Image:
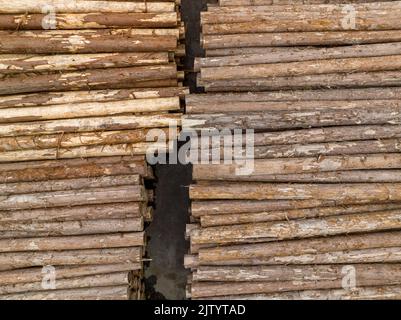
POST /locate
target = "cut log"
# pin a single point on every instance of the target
(122, 210)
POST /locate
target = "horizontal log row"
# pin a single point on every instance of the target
(306, 206)
(88, 89)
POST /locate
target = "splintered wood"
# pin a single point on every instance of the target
(319, 216)
(81, 85)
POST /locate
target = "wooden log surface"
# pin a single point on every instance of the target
(98, 293)
(11, 261)
(32, 275)
(122, 210)
(117, 240)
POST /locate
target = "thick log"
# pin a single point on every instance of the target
(73, 197)
(70, 21)
(229, 3)
(69, 184)
(299, 39)
(11, 64)
(70, 140)
(90, 124)
(102, 280)
(297, 54)
(113, 78)
(14, 260)
(274, 250)
(301, 165)
(260, 71)
(55, 98)
(69, 228)
(21, 6)
(116, 240)
(287, 215)
(123, 210)
(333, 80)
(32, 275)
(99, 293)
(305, 228)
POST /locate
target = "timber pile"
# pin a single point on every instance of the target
(80, 88)
(323, 201)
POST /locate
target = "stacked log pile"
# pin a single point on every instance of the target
(81, 84)
(318, 217)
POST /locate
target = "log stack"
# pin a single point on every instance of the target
(81, 85)
(318, 217)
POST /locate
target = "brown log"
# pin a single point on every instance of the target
(364, 293)
(70, 140)
(229, 3)
(302, 165)
(274, 250)
(113, 78)
(12, 64)
(305, 228)
(334, 80)
(102, 280)
(273, 120)
(90, 124)
(95, 20)
(69, 228)
(10, 261)
(122, 210)
(287, 215)
(69, 184)
(68, 111)
(74, 170)
(299, 39)
(373, 192)
(260, 71)
(20, 6)
(204, 289)
(116, 240)
(55, 98)
(63, 272)
(73, 197)
(99, 293)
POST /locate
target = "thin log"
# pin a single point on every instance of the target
(342, 243)
(324, 226)
(73, 197)
(122, 210)
(11, 261)
(70, 21)
(302, 165)
(99, 293)
(21, 6)
(287, 215)
(70, 228)
(32, 275)
(46, 42)
(90, 124)
(55, 98)
(103, 280)
(12, 64)
(116, 240)
(113, 78)
(260, 71)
